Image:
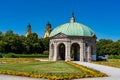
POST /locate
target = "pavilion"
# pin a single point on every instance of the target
(72, 41)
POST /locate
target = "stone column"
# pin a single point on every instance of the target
(50, 52)
(82, 51)
(55, 52)
(89, 54)
(67, 51)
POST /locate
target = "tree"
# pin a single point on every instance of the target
(46, 44)
(103, 46)
(32, 43)
(13, 43)
(117, 47)
(9, 33)
(1, 35)
(42, 47)
(2, 46)
(23, 44)
(2, 43)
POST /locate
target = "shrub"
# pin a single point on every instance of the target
(13, 55)
(10, 55)
(0, 55)
(46, 52)
(33, 56)
(114, 56)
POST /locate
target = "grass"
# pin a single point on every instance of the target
(114, 56)
(13, 55)
(40, 67)
(30, 65)
(51, 70)
(110, 62)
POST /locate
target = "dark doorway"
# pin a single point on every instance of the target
(61, 55)
(75, 52)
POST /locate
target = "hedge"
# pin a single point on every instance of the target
(13, 55)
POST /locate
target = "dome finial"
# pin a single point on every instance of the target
(72, 20)
(48, 22)
(73, 14)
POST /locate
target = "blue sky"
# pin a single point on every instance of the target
(103, 16)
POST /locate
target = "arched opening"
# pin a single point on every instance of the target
(86, 53)
(61, 51)
(75, 52)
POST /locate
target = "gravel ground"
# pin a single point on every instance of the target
(10, 77)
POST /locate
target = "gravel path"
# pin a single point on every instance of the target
(10, 77)
(113, 73)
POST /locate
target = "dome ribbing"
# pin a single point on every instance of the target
(73, 29)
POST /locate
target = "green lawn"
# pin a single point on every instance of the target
(40, 67)
(110, 62)
(32, 67)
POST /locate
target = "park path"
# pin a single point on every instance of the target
(11, 77)
(112, 72)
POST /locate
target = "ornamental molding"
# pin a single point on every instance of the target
(60, 35)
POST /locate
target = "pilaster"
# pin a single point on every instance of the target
(55, 52)
(82, 52)
(50, 52)
(89, 54)
(67, 51)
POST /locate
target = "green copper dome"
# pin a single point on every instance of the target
(73, 29)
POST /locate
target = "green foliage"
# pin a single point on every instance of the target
(103, 46)
(1, 35)
(114, 56)
(46, 43)
(1, 56)
(10, 55)
(107, 46)
(13, 55)
(10, 42)
(46, 52)
(33, 56)
(2, 46)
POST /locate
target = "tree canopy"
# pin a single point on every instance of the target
(107, 46)
(11, 42)
(14, 43)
